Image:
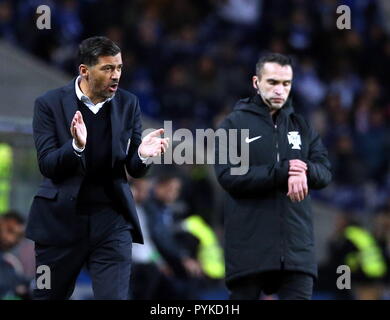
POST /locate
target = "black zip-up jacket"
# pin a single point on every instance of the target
(264, 229)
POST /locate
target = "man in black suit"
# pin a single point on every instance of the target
(86, 135)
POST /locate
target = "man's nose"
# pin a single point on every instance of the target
(278, 90)
(116, 75)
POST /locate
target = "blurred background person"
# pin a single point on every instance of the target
(381, 232)
(13, 284)
(150, 273)
(163, 230)
(360, 249)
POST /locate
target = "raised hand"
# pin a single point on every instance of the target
(153, 145)
(78, 130)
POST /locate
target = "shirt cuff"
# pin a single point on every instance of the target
(77, 149)
(144, 160)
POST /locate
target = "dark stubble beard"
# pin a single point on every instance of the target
(102, 94)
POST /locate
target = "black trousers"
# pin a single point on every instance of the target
(289, 285)
(105, 250)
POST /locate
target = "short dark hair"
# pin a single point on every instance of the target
(165, 177)
(13, 215)
(92, 48)
(278, 58)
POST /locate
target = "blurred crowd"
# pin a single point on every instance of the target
(189, 61)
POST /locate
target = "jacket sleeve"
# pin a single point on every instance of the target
(134, 165)
(257, 178)
(55, 161)
(319, 168)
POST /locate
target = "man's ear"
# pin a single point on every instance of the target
(255, 82)
(83, 70)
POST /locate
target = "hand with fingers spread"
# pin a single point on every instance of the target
(153, 145)
(297, 181)
(78, 130)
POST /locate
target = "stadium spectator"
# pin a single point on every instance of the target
(150, 273)
(164, 229)
(355, 246)
(13, 283)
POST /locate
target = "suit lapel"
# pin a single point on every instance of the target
(69, 107)
(69, 102)
(115, 127)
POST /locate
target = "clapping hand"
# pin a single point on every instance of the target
(78, 130)
(153, 145)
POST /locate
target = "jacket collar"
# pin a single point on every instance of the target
(255, 104)
(86, 100)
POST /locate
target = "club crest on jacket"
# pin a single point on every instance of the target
(295, 139)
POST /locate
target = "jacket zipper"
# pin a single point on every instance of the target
(277, 144)
(281, 218)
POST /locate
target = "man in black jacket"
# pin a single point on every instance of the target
(86, 135)
(269, 243)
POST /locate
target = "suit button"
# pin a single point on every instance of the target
(72, 198)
